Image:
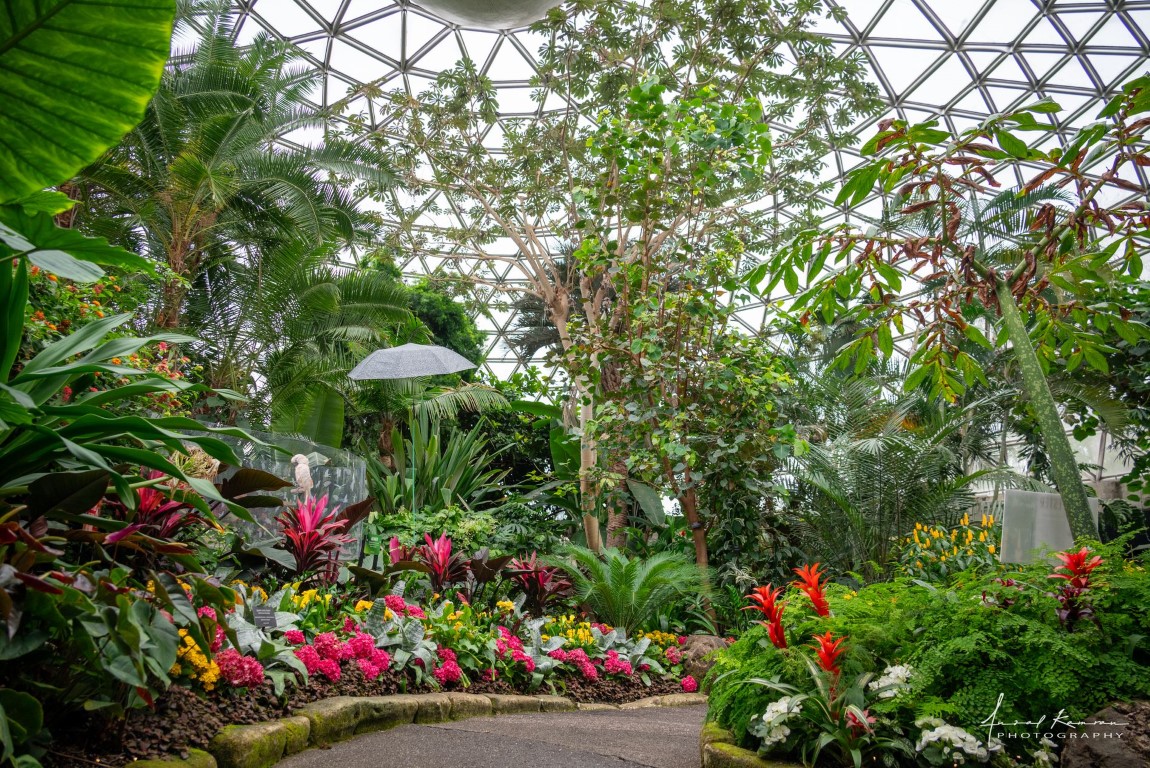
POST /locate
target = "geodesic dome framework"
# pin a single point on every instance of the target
(954, 61)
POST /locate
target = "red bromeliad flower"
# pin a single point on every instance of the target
(396, 552)
(766, 601)
(1077, 567)
(829, 651)
(812, 582)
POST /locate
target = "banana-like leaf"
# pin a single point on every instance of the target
(78, 75)
(73, 492)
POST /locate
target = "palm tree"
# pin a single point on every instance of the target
(208, 175)
(629, 592)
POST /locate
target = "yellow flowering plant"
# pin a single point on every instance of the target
(932, 553)
(575, 633)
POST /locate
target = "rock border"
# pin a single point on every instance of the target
(320, 723)
(717, 749)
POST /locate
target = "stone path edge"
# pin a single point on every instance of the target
(320, 723)
(717, 749)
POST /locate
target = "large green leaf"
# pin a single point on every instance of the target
(78, 75)
(65, 252)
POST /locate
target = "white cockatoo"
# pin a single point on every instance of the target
(302, 475)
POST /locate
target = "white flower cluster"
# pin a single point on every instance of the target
(773, 730)
(892, 681)
(1044, 756)
(952, 743)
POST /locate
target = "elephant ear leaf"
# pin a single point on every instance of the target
(78, 75)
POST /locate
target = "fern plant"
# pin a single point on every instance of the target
(629, 593)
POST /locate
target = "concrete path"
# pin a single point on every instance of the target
(657, 737)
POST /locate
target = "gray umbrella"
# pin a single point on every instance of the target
(409, 361)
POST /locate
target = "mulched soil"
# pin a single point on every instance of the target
(184, 719)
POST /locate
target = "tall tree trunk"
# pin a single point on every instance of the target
(588, 493)
(1063, 466)
(689, 501)
(617, 509)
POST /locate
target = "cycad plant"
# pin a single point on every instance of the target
(629, 592)
(880, 462)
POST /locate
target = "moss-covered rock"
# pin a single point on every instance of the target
(556, 704)
(332, 719)
(253, 746)
(378, 713)
(197, 758)
(298, 734)
(433, 708)
(682, 699)
(465, 705)
(511, 705)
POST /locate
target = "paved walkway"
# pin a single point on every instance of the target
(657, 737)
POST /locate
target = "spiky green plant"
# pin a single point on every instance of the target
(629, 592)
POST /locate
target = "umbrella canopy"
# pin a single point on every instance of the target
(410, 361)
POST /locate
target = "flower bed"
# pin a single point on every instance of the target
(250, 674)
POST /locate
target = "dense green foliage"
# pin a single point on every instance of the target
(968, 641)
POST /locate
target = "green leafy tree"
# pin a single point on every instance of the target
(1044, 256)
(596, 54)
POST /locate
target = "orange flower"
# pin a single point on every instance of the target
(829, 651)
(812, 583)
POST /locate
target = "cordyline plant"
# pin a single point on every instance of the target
(1043, 258)
(539, 583)
(314, 537)
(446, 567)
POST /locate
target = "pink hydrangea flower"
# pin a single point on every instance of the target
(218, 640)
(370, 670)
(616, 665)
(349, 626)
(329, 668)
(310, 658)
(239, 670)
(673, 655)
(295, 637)
(690, 685)
(362, 645)
(682, 639)
(446, 654)
(381, 659)
(448, 672)
(490, 674)
(558, 654)
(329, 647)
(395, 604)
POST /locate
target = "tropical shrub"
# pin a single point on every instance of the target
(539, 584)
(931, 552)
(313, 536)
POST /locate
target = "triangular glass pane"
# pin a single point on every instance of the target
(1079, 24)
(356, 64)
(1004, 21)
(384, 35)
(419, 32)
(903, 21)
(479, 45)
(444, 55)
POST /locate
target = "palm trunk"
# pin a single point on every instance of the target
(1063, 466)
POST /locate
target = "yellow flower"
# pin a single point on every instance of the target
(364, 605)
(990, 549)
(506, 606)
